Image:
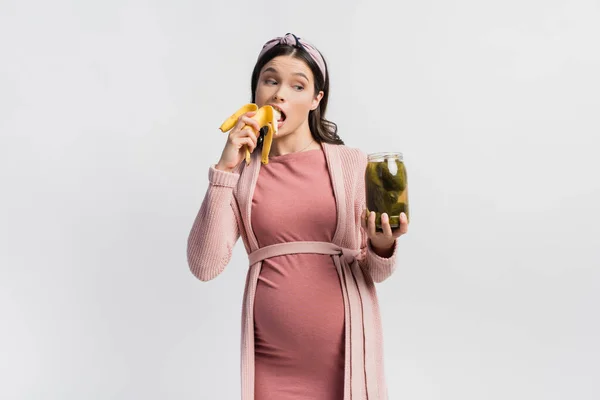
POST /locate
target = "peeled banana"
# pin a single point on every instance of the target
(266, 116)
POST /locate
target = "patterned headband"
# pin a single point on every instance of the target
(293, 40)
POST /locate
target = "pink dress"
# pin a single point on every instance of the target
(299, 308)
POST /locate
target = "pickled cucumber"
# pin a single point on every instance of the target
(380, 199)
(391, 181)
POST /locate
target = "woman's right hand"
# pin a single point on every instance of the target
(240, 136)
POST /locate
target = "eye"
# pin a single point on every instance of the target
(270, 81)
(299, 87)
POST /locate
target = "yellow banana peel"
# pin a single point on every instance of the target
(265, 116)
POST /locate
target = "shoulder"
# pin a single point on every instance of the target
(349, 156)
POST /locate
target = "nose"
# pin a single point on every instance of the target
(278, 95)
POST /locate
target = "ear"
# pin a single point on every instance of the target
(316, 101)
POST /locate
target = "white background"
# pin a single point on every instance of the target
(108, 121)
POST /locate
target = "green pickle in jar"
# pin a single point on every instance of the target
(386, 187)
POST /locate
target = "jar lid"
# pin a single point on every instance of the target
(379, 157)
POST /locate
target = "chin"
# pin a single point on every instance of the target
(281, 134)
(287, 128)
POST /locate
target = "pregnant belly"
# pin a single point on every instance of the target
(299, 313)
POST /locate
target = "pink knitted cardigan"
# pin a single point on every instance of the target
(224, 216)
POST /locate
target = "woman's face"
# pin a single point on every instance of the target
(287, 83)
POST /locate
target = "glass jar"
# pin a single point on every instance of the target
(386, 187)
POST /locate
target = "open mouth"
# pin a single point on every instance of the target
(279, 115)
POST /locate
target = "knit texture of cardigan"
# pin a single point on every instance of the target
(224, 217)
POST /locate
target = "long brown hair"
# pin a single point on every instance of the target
(321, 129)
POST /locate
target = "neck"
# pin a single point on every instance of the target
(300, 140)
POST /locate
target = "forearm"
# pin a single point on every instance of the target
(215, 230)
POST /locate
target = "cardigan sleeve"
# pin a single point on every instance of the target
(380, 268)
(215, 229)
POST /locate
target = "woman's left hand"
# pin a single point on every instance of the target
(383, 242)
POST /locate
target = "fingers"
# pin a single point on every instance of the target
(368, 224)
(246, 119)
(371, 224)
(385, 225)
(251, 122)
(244, 137)
(403, 224)
(248, 140)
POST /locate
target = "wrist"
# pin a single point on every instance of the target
(221, 167)
(383, 251)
